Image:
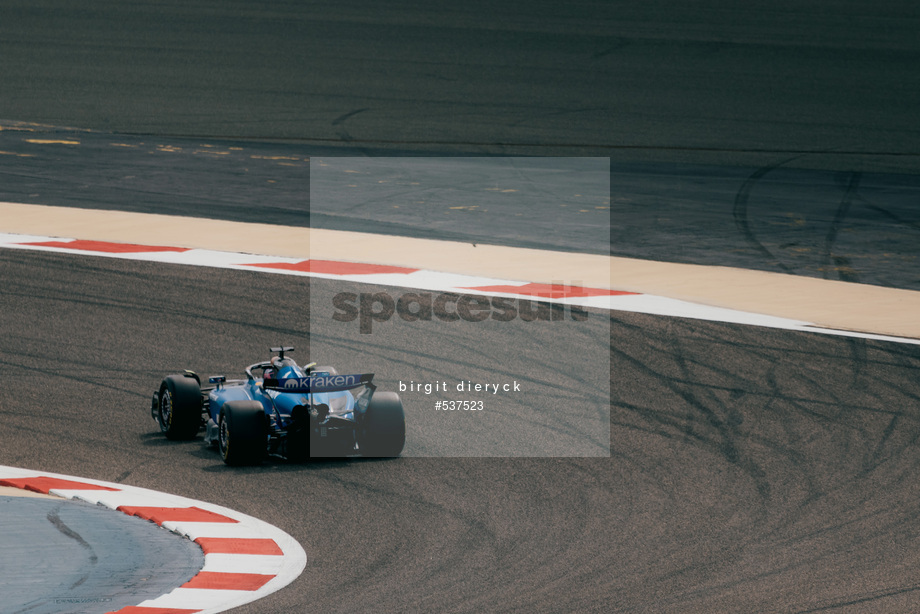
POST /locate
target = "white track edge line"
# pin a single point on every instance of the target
(452, 282)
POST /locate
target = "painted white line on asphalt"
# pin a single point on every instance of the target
(437, 281)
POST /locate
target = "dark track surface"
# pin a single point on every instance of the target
(751, 470)
(751, 86)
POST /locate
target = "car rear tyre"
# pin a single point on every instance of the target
(383, 431)
(242, 433)
(178, 407)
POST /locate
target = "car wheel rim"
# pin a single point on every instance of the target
(165, 409)
(224, 439)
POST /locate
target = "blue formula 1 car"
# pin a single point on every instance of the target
(284, 410)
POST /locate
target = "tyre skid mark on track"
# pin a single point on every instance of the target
(245, 558)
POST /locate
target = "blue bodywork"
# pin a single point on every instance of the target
(293, 398)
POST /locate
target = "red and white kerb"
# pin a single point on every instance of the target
(244, 558)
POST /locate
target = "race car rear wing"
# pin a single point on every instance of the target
(320, 383)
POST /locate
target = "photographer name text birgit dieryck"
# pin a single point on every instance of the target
(461, 386)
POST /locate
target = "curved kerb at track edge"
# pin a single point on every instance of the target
(245, 558)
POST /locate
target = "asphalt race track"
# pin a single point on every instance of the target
(749, 470)
(742, 459)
